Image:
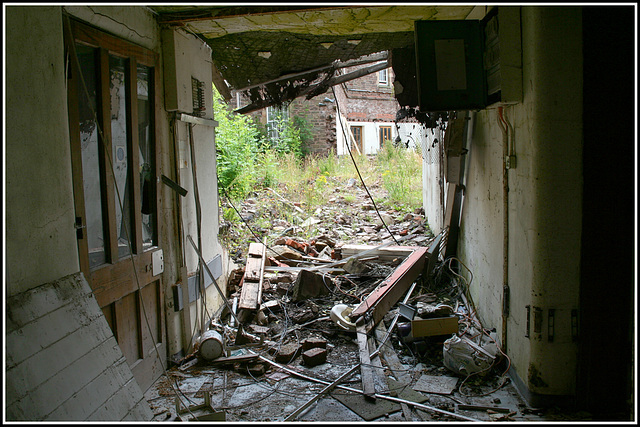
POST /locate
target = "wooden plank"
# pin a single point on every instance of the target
(434, 326)
(76, 150)
(105, 150)
(380, 301)
(252, 284)
(97, 38)
(133, 148)
(249, 295)
(452, 220)
(252, 269)
(255, 249)
(366, 373)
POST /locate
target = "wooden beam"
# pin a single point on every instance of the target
(381, 56)
(332, 82)
(366, 373)
(380, 301)
(218, 81)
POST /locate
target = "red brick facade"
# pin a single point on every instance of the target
(360, 100)
(366, 100)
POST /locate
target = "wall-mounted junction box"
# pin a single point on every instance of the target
(469, 64)
(187, 74)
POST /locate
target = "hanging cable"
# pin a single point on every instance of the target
(243, 220)
(356, 166)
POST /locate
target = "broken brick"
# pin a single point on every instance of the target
(257, 370)
(288, 353)
(314, 356)
(313, 342)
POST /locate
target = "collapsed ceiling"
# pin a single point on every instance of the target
(254, 47)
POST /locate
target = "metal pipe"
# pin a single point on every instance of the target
(206, 267)
(355, 390)
(327, 389)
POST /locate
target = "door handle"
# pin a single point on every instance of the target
(78, 226)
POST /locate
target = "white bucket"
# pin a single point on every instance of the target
(211, 346)
(339, 315)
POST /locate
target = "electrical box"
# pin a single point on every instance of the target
(449, 65)
(469, 64)
(187, 74)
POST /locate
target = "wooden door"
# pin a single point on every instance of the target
(356, 132)
(112, 102)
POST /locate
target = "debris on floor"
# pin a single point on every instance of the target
(327, 331)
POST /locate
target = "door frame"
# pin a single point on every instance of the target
(115, 282)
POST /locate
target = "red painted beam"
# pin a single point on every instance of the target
(380, 301)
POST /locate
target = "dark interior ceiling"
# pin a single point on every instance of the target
(254, 45)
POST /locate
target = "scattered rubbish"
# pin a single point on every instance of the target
(439, 384)
(211, 345)
(319, 303)
(340, 315)
(464, 357)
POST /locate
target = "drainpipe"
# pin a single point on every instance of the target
(505, 242)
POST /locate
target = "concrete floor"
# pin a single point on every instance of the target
(274, 396)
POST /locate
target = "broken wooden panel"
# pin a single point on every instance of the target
(434, 326)
(388, 253)
(380, 301)
(252, 285)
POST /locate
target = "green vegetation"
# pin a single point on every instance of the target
(248, 160)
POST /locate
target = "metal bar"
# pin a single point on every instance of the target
(327, 389)
(196, 120)
(206, 267)
(355, 390)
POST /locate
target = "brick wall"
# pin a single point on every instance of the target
(366, 100)
(320, 115)
(62, 360)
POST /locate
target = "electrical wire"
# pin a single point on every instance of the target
(357, 170)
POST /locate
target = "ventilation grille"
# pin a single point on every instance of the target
(197, 88)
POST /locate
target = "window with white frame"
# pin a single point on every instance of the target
(383, 77)
(276, 118)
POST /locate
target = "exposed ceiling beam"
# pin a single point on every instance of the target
(320, 87)
(381, 56)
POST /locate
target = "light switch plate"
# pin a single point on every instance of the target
(157, 262)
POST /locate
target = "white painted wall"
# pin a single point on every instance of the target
(63, 362)
(192, 57)
(544, 203)
(40, 235)
(371, 135)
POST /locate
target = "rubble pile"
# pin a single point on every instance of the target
(347, 217)
(330, 318)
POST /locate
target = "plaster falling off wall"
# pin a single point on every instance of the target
(63, 362)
